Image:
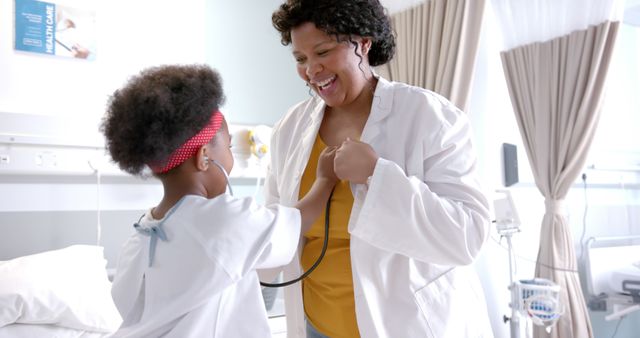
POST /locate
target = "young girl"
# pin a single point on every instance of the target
(189, 268)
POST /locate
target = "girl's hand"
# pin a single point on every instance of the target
(325, 165)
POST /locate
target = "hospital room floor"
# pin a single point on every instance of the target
(277, 320)
(278, 327)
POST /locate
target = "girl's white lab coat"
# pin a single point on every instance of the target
(203, 282)
(414, 229)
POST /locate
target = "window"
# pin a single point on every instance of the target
(617, 144)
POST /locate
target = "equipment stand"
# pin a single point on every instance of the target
(514, 321)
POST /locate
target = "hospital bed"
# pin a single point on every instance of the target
(613, 275)
(58, 293)
(57, 192)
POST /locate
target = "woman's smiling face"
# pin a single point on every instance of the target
(331, 68)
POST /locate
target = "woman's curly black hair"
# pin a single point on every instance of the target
(157, 111)
(365, 18)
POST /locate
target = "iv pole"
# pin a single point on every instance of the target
(514, 321)
(508, 223)
(538, 296)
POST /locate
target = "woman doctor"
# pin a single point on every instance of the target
(408, 216)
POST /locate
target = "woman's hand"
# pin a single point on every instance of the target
(354, 161)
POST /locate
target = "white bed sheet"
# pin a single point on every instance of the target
(67, 288)
(45, 330)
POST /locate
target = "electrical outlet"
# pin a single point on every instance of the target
(46, 159)
(5, 159)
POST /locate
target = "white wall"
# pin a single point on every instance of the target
(131, 35)
(259, 74)
(74, 92)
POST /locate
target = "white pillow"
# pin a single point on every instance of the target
(67, 287)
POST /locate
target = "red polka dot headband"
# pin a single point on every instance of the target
(191, 146)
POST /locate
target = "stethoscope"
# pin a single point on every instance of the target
(324, 244)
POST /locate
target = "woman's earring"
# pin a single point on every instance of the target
(310, 91)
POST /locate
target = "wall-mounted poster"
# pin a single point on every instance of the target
(48, 28)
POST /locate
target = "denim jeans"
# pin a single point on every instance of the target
(312, 332)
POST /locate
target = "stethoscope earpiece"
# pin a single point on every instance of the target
(226, 176)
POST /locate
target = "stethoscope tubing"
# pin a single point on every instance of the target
(324, 244)
(317, 262)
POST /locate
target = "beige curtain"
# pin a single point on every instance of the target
(437, 43)
(556, 88)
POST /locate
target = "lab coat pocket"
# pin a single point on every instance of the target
(451, 307)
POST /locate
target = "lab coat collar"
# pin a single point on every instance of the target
(380, 108)
(316, 120)
(318, 111)
(305, 145)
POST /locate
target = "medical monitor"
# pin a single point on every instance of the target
(506, 215)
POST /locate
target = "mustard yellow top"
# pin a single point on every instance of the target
(328, 290)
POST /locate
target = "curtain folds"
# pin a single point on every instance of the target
(437, 43)
(556, 90)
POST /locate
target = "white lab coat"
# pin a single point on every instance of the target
(203, 282)
(416, 227)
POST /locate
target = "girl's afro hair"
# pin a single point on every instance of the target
(157, 111)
